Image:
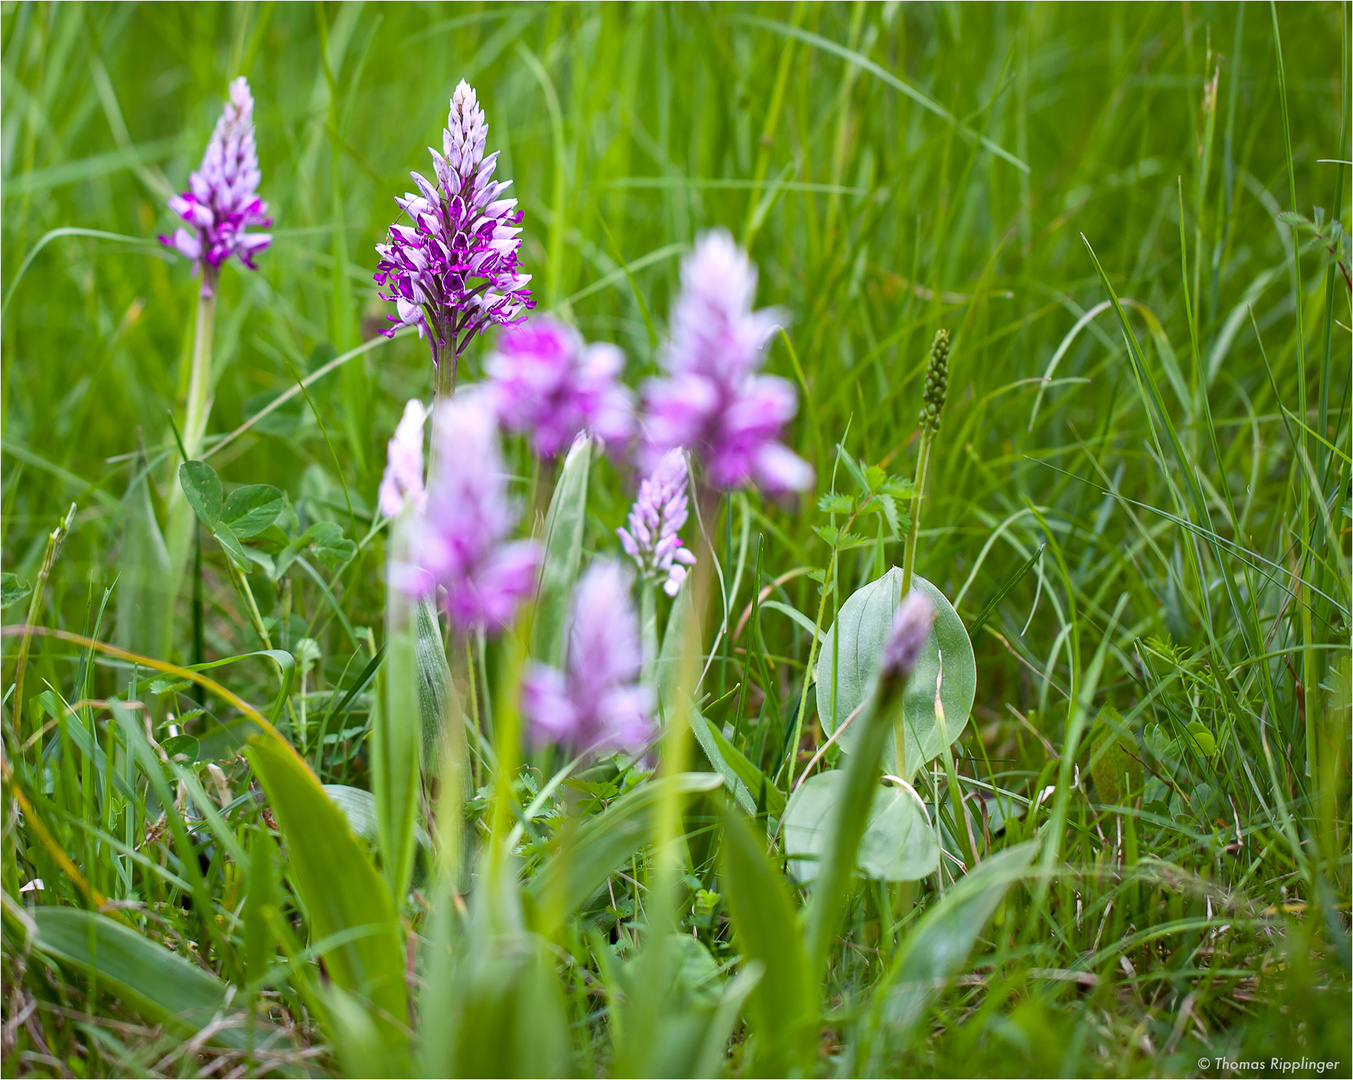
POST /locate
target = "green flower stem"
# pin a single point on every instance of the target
(199, 379)
(908, 568)
(55, 539)
(180, 523)
(917, 495)
(648, 631)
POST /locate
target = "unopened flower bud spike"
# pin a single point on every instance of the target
(932, 404)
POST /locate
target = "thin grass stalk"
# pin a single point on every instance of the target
(55, 539)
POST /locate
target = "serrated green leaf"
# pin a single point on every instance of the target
(888, 506)
(833, 503)
(875, 476)
(853, 467)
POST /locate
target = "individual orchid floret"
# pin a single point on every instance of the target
(550, 384)
(460, 542)
(597, 703)
(451, 267)
(911, 626)
(403, 480)
(655, 520)
(222, 201)
(712, 399)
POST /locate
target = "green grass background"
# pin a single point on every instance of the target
(1194, 510)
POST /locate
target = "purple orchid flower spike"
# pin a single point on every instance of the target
(459, 543)
(652, 539)
(597, 703)
(451, 270)
(403, 480)
(550, 384)
(222, 201)
(712, 399)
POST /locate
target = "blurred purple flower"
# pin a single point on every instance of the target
(459, 542)
(911, 626)
(547, 381)
(655, 519)
(598, 703)
(403, 478)
(712, 399)
(222, 197)
(453, 270)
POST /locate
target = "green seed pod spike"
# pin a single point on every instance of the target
(936, 383)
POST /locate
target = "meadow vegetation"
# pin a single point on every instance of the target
(1063, 297)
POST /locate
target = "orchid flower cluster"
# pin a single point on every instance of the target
(450, 273)
(452, 269)
(222, 201)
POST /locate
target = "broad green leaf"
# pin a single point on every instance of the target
(783, 1006)
(340, 890)
(202, 488)
(603, 844)
(937, 948)
(159, 984)
(898, 843)
(143, 574)
(1204, 742)
(864, 622)
(563, 554)
(1115, 761)
(251, 509)
(359, 807)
